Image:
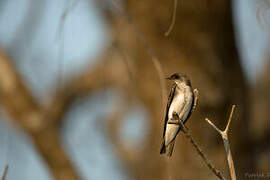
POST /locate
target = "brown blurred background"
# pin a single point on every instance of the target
(81, 95)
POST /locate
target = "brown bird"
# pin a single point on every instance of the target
(180, 105)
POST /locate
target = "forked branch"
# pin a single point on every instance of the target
(196, 97)
(200, 152)
(224, 135)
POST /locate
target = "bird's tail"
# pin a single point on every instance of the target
(171, 146)
(163, 147)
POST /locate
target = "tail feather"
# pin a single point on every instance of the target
(171, 147)
(163, 147)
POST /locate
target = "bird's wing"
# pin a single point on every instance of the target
(168, 106)
(185, 108)
(190, 111)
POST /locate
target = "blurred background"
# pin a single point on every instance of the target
(81, 96)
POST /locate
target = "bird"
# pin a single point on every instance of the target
(180, 105)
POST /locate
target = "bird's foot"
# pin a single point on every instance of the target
(175, 120)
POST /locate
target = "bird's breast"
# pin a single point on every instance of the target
(177, 104)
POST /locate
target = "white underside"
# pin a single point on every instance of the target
(182, 107)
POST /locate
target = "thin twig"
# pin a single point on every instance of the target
(224, 135)
(5, 173)
(161, 79)
(200, 152)
(213, 125)
(196, 97)
(64, 17)
(167, 33)
(148, 49)
(230, 119)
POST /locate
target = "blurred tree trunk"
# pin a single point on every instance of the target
(202, 44)
(260, 124)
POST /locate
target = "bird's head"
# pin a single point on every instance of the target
(180, 78)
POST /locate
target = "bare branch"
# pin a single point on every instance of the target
(5, 173)
(230, 119)
(196, 97)
(213, 125)
(167, 33)
(199, 151)
(224, 135)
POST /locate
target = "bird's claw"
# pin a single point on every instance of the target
(175, 120)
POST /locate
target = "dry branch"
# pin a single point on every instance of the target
(196, 97)
(193, 142)
(224, 135)
(199, 151)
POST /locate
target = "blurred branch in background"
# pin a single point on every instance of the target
(167, 33)
(262, 7)
(5, 173)
(110, 71)
(148, 49)
(42, 123)
(63, 18)
(17, 101)
(116, 120)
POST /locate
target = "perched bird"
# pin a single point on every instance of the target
(180, 104)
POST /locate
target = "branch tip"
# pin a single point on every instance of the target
(230, 119)
(213, 125)
(167, 33)
(224, 135)
(199, 151)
